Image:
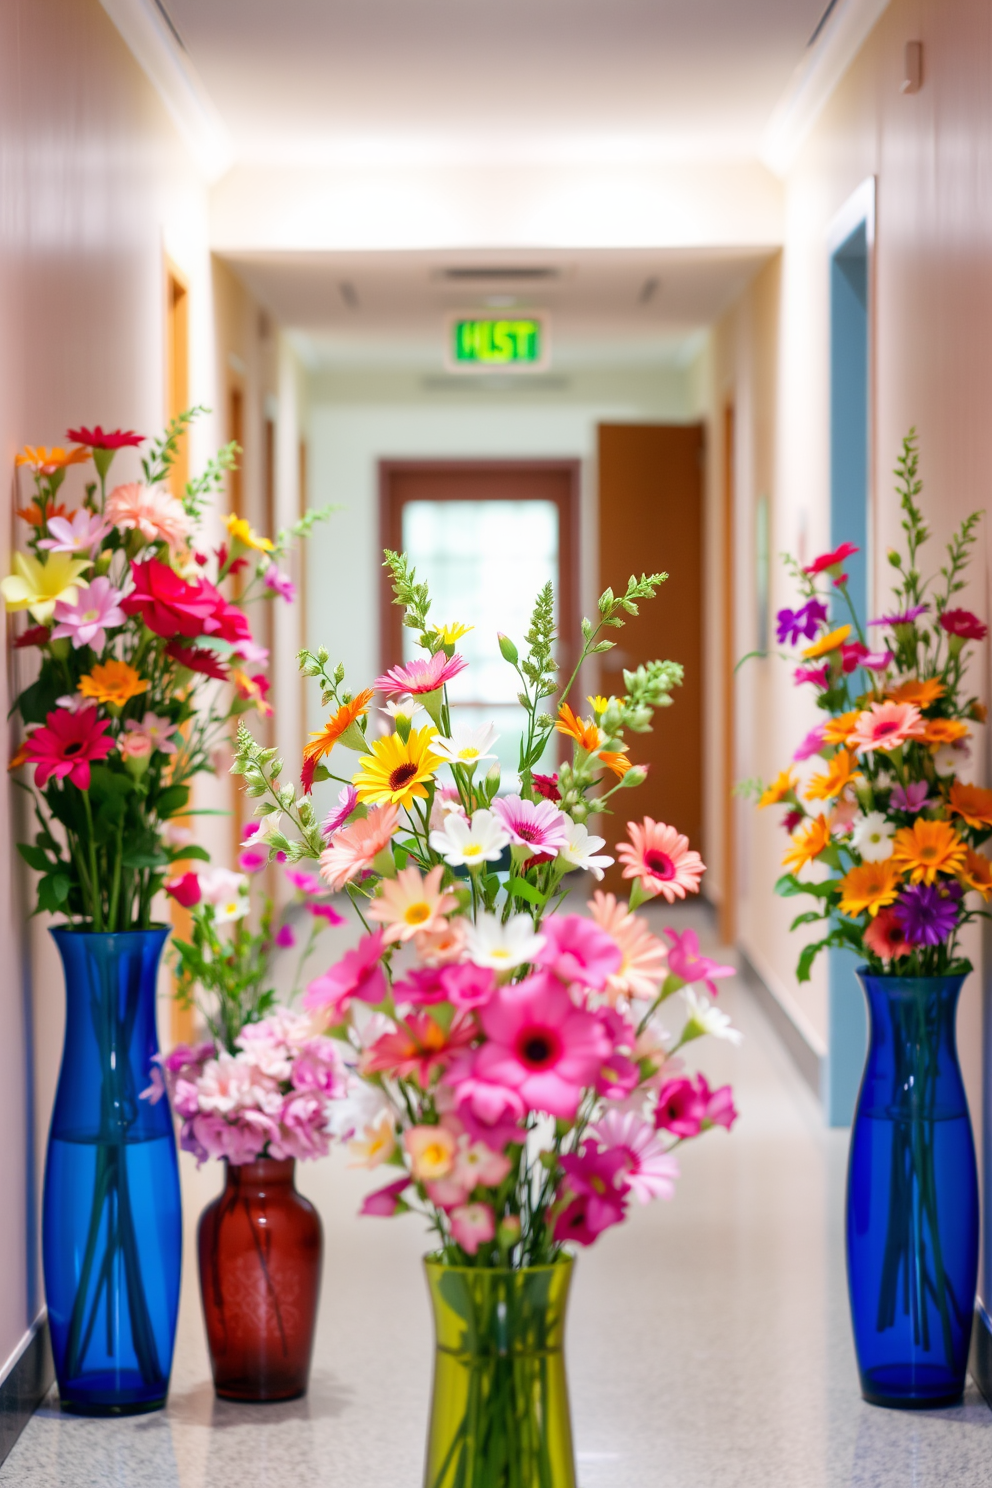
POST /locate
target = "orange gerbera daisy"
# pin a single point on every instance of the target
(808, 844)
(973, 803)
(618, 763)
(783, 786)
(977, 873)
(112, 682)
(324, 740)
(838, 730)
(944, 731)
(839, 775)
(46, 461)
(869, 887)
(585, 733)
(922, 693)
(926, 849)
(832, 641)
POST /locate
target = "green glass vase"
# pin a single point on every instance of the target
(499, 1412)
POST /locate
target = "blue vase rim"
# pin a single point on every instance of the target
(896, 978)
(69, 932)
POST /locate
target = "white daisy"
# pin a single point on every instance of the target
(467, 746)
(406, 708)
(872, 835)
(705, 1017)
(258, 832)
(480, 840)
(582, 846)
(502, 946)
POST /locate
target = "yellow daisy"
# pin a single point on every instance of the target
(112, 682)
(869, 887)
(448, 635)
(832, 641)
(240, 530)
(784, 786)
(839, 775)
(926, 849)
(395, 771)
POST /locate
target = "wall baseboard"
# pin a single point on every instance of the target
(807, 1060)
(980, 1362)
(25, 1385)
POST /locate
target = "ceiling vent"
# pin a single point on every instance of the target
(497, 273)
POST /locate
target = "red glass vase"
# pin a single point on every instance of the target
(260, 1249)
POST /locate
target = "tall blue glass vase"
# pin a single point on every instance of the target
(912, 1198)
(111, 1223)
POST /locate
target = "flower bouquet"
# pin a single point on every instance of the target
(132, 639)
(259, 1095)
(512, 1064)
(884, 812)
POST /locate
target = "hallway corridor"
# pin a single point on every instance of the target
(709, 1339)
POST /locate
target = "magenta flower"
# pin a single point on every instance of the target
(468, 986)
(347, 801)
(358, 974)
(419, 676)
(304, 882)
(960, 623)
(253, 859)
(817, 675)
(284, 937)
(537, 825)
(910, 798)
(680, 1109)
(489, 1112)
(906, 618)
(599, 1185)
(422, 987)
(619, 1074)
(576, 950)
(385, 1202)
(791, 624)
(831, 562)
(541, 1045)
(718, 1105)
(684, 961)
(812, 744)
(546, 786)
(86, 622)
(325, 912)
(280, 583)
(66, 745)
(650, 1171)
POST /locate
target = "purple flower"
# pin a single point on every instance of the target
(285, 938)
(347, 801)
(910, 798)
(812, 744)
(791, 624)
(905, 619)
(280, 583)
(926, 915)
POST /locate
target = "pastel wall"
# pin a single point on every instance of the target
(932, 367)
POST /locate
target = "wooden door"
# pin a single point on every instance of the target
(650, 520)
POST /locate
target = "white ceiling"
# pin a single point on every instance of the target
(358, 80)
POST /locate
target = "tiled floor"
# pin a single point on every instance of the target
(709, 1343)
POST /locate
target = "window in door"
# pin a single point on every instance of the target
(485, 539)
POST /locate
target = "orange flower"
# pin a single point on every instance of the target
(977, 873)
(19, 756)
(944, 731)
(832, 641)
(250, 690)
(586, 735)
(323, 741)
(922, 693)
(808, 844)
(618, 763)
(972, 803)
(869, 887)
(45, 461)
(112, 682)
(926, 849)
(32, 514)
(838, 730)
(779, 789)
(839, 775)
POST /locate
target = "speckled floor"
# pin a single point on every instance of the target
(709, 1344)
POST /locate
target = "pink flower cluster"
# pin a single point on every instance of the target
(271, 1098)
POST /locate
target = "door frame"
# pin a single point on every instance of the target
(569, 536)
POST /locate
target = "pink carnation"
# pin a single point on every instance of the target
(576, 950)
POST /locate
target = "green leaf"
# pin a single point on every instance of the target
(806, 919)
(789, 885)
(807, 957)
(171, 801)
(135, 858)
(35, 857)
(194, 850)
(53, 891)
(520, 888)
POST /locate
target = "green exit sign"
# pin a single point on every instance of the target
(498, 343)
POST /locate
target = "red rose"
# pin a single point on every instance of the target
(166, 603)
(964, 624)
(185, 890)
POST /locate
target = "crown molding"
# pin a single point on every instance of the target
(167, 65)
(815, 79)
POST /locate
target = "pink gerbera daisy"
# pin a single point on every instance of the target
(649, 1170)
(354, 848)
(886, 726)
(150, 510)
(419, 676)
(539, 826)
(577, 951)
(66, 745)
(541, 1045)
(410, 903)
(358, 974)
(661, 858)
(643, 956)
